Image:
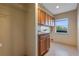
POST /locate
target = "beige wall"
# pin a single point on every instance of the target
(17, 29)
(30, 30)
(12, 30)
(71, 37)
(5, 31)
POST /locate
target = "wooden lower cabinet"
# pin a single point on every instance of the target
(44, 44)
(48, 42)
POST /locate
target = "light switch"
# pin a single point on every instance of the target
(0, 44)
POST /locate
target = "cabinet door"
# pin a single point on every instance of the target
(42, 14)
(47, 19)
(38, 16)
(44, 18)
(41, 17)
(42, 45)
(52, 21)
(48, 42)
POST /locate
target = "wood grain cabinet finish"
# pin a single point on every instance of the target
(44, 18)
(39, 16)
(44, 39)
(44, 44)
(48, 20)
(48, 42)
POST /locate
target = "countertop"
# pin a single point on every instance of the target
(39, 33)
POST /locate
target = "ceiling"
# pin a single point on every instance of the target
(63, 7)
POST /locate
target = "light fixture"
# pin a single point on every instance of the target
(57, 7)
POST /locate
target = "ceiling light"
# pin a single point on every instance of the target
(57, 6)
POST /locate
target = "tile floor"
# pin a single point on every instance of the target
(58, 49)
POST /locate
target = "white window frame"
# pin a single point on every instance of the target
(62, 19)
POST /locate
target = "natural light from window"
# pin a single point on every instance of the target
(61, 25)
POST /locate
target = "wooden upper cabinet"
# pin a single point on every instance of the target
(48, 20)
(44, 18)
(51, 21)
(39, 16)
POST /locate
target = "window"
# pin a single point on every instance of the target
(61, 25)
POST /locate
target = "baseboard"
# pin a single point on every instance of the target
(65, 43)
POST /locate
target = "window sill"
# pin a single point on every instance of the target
(62, 33)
